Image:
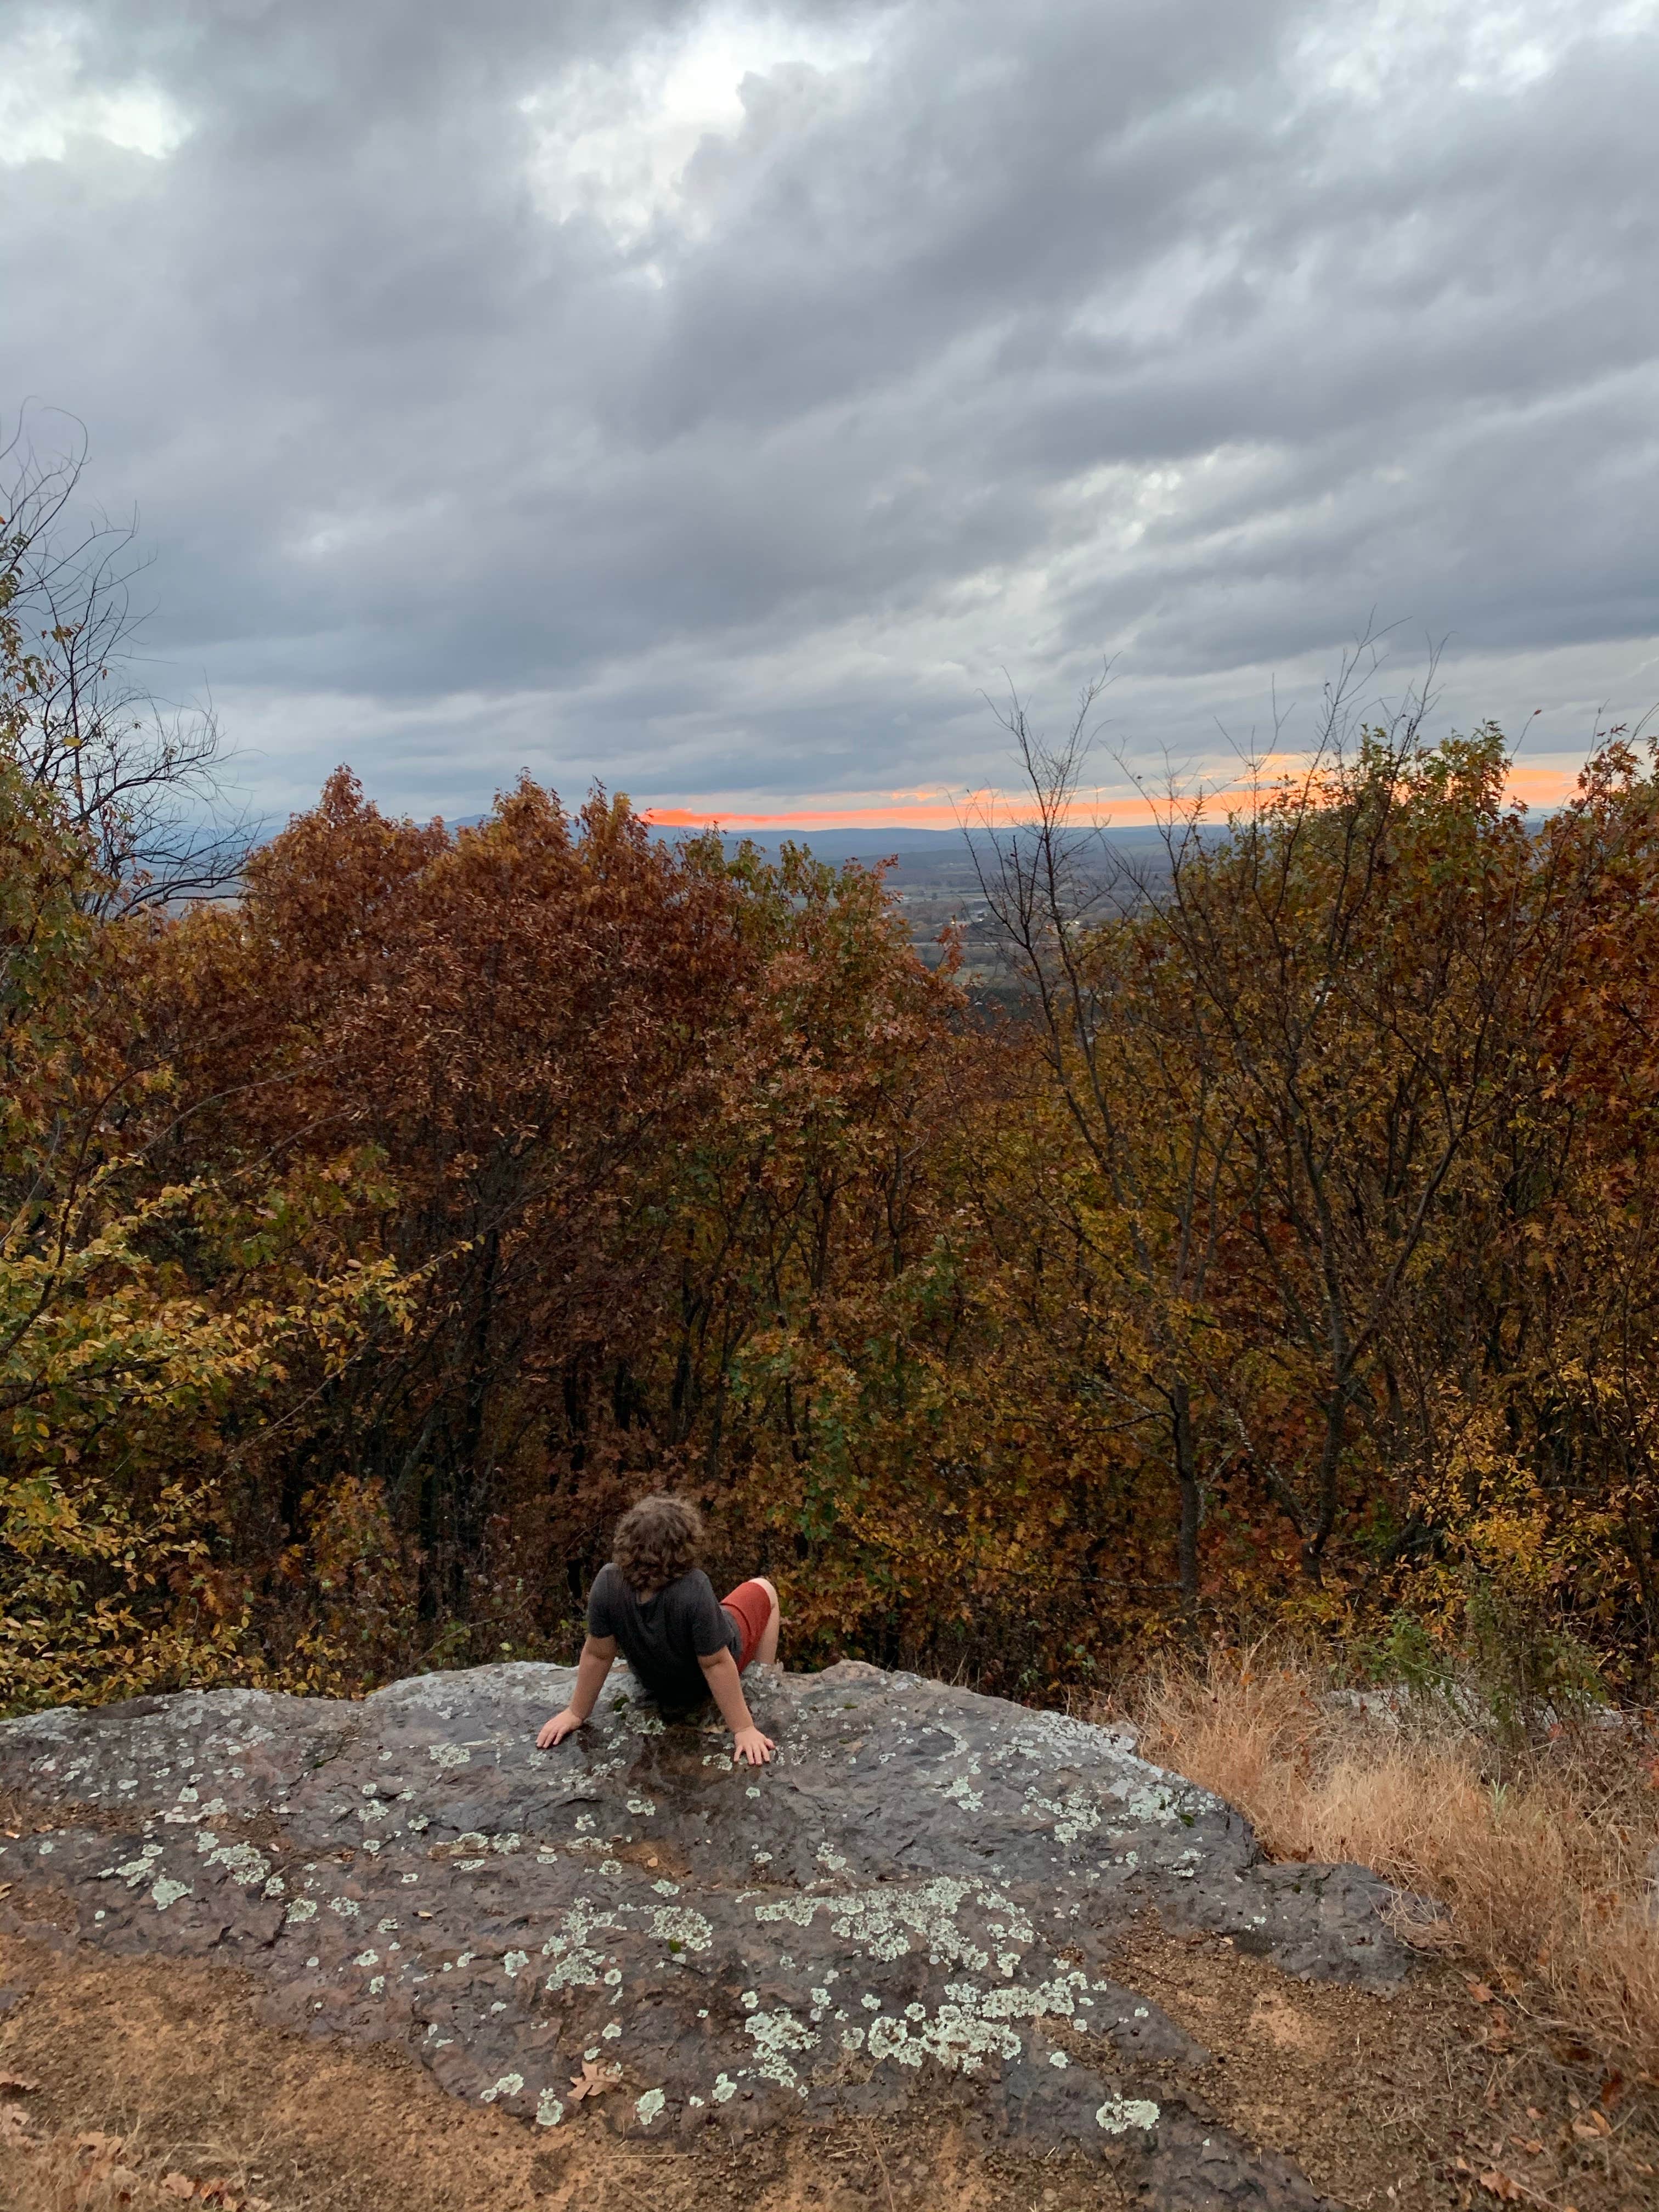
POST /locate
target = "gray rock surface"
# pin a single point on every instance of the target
(918, 1900)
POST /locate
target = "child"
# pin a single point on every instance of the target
(655, 1605)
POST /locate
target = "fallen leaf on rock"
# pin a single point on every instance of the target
(1498, 2183)
(592, 2082)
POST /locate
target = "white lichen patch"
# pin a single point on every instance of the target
(1119, 2114)
(514, 1963)
(509, 2086)
(779, 2037)
(680, 1928)
(136, 1871)
(548, 2110)
(448, 1754)
(885, 1922)
(245, 1866)
(647, 2107)
(166, 1893)
(575, 1964)
(300, 1909)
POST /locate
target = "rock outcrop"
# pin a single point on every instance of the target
(917, 1900)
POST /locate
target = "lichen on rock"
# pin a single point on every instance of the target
(920, 1895)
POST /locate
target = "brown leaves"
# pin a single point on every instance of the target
(15, 2126)
(97, 2159)
(222, 2194)
(17, 2084)
(593, 2081)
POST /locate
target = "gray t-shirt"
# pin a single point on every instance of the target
(663, 1637)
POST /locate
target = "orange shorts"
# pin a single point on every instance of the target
(751, 1606)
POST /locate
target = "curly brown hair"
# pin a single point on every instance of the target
(656, 1541)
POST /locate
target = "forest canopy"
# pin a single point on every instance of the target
(377, 1226)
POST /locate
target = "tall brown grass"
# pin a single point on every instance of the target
(1529, 1861)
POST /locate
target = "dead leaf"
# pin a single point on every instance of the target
(1592, 2127)
(15, 2126)
(1498, 2183)
(592, 2082)
(178, 2185)
(1612, 2089)
(1530, 2144)
(1479, 1992)
(219, 2192)
(101, 2154)
(20, 2084)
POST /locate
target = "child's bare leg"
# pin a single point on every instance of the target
(766, 1651)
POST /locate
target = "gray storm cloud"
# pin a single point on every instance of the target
(713, 401)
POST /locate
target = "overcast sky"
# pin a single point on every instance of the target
(717, 401)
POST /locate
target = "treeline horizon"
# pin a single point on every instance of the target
(375, 1234)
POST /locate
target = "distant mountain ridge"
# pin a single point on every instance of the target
(838, 845)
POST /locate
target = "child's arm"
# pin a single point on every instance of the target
(598, 1654)
(726, 1687)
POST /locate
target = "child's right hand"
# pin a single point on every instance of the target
(555, 1730)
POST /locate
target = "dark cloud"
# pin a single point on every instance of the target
(714, 401)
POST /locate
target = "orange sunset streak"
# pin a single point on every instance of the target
(1535, 787)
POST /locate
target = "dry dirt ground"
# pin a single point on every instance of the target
(152, 2083)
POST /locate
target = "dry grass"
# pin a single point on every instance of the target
(94, 2171)
(1536, 1860)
